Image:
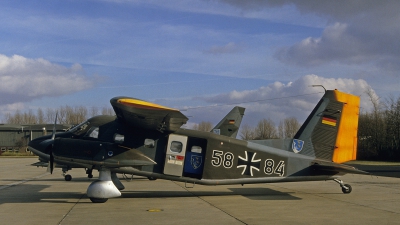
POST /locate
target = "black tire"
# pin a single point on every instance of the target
(347, 190)
(98, 200)
(68, 177)
(90, 176)
(152, 178)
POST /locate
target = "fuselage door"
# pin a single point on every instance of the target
(175, 155)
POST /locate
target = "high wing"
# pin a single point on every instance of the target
(146, 115)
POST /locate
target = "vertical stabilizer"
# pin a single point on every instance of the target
(229, 125)
(330, 131)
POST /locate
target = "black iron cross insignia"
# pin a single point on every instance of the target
(249, 163)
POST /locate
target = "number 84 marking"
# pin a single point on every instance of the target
(269, 167)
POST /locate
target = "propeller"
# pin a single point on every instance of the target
(50, 166)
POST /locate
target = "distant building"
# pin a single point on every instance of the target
(15, 137)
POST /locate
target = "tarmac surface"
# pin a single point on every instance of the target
(29, 195)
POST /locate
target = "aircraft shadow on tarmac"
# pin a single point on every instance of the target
(27, 193)
(250, 193)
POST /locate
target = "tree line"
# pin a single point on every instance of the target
(65, 115)
(379, 130)
(265, 129)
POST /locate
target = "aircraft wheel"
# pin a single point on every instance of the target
(68, 177)
(152, 178)
(90, 176)
(98, 200)
(348, 190)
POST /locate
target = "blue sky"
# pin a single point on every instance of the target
(194, 53)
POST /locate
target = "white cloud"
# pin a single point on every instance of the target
(23, 79)
(278, 101)
(358, 32)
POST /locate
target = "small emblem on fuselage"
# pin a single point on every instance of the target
(297, 145)
(110, 153)
(196, 161)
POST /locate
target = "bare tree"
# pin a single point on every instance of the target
(203, 126)
(266, 129)
(290, 127)
(40, 116)
(107, 111)
(50, 115)
(94, 111)
(247, 133)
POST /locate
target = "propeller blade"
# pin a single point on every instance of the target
(51, 164)
(54, 127)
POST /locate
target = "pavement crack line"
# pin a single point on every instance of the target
(69, 211)
(338, 200)
(22, 181)
(209, 203)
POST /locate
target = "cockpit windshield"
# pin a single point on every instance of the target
(78, 129)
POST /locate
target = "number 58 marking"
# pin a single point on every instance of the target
(220, 158)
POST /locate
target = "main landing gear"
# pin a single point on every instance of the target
(346, 188)
(107, 186)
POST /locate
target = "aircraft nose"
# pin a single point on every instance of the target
(41, 146)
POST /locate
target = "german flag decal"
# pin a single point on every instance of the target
(329, 120)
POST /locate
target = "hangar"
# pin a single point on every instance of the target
(15, 137)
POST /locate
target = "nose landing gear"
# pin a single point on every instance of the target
(67, 177)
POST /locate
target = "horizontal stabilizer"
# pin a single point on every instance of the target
(323, 166)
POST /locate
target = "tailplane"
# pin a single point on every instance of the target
(330, 131)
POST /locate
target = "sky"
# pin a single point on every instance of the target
(200, 56)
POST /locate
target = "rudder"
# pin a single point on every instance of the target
(330, 131)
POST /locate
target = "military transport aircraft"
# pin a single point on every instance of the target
(146, 139)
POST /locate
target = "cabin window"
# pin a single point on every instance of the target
(119, 138)
(93, 132)
(176, 146)
(149, 143)
(196, 149)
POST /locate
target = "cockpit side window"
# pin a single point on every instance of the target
(119, 138)
(93, 132)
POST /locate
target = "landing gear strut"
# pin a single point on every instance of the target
(346, 188)
(89, 173)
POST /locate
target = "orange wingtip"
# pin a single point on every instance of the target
(142, 104)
